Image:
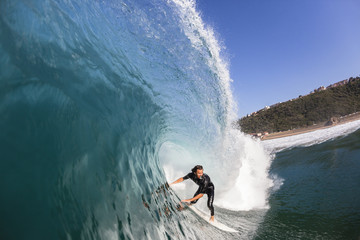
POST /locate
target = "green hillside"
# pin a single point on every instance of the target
(307, 110)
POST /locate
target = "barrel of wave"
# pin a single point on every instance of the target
(237, 164)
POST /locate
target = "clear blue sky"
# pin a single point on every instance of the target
(280, 49)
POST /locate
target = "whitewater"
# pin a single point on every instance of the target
(104, 102)
(311, 138)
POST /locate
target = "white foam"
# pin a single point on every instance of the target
(311, 138)
(278, 182)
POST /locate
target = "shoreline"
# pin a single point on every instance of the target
(341, 120)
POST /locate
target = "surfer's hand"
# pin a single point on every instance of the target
(185, 200)
(180, 207)
(212, 219)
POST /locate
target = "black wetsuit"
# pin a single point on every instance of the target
(205, 186)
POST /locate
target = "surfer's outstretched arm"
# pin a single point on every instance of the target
(194, 198)
(177, 181)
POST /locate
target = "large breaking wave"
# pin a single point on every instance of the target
(101, 103)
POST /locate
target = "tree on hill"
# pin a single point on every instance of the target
(306, 110)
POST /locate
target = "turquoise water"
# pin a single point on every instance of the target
(102, 102)
(89, 92)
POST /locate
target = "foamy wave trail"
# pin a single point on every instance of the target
(97, 99)
(311, 138)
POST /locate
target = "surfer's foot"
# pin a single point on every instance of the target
(212, 219)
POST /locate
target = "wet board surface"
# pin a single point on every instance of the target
(216, 223)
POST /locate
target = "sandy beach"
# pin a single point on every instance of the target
(322, 125)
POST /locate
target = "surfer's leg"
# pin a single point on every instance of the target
(197, 193)
(210, 193)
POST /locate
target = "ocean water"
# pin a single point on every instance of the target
(319, 193)
(103, 102)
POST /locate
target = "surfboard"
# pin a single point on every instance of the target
(216, 223)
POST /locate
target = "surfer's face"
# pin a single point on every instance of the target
(199, 173)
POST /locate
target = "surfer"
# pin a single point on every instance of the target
(205, 187)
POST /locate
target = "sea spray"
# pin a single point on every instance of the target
(237, 164)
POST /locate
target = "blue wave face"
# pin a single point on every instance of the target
(89, 92)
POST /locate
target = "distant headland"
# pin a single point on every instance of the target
(324, 107)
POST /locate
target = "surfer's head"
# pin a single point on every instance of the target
(198, 171)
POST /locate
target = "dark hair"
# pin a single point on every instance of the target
(197, 167)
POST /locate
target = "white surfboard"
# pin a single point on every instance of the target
(216, 223)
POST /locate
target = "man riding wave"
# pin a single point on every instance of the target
(205, 187)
